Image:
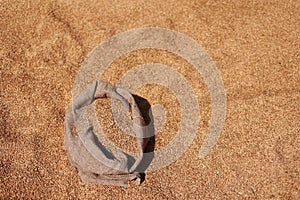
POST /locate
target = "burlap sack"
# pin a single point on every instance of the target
(95, 163)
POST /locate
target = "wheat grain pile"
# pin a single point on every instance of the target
(255, 45)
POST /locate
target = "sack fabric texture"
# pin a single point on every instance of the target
(96, 163)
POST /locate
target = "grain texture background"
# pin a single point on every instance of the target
(255, 45)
